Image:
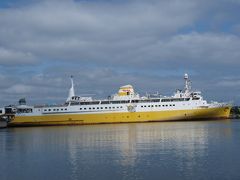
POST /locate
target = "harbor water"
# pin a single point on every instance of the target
(137, 151)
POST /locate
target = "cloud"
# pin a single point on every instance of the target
(134, 33)
(12, 57)
(68, 30)
(198, 49)
(19, 89)
(105, 44)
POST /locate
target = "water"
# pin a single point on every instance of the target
(168, 150)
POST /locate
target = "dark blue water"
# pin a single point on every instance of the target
(169, 150)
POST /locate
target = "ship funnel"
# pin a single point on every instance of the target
(71, 90)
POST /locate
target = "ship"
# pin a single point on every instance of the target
(126, 106)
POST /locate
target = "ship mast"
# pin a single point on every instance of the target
(71, 90)
(187, 83)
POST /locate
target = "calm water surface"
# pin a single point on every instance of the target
(169, 150)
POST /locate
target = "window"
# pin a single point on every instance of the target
(165, 100)
(105, 102)
(49, 109)
(195, 98)
(80, 108)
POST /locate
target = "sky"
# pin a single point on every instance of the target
(105, 44)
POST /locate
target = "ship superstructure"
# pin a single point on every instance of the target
(125, 106)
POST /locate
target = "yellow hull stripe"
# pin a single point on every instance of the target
(64, 119)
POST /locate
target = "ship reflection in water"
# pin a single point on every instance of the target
(169, 150)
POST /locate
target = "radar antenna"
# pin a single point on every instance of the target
(187, 83)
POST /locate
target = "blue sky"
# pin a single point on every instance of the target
(108, 43)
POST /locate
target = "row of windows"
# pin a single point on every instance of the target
(133, 101)
(98, 108)
(93, 108)
(118, 107)
(19, 111)
(166, 105)
(55, 109)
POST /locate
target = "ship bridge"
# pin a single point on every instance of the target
(126, 93)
